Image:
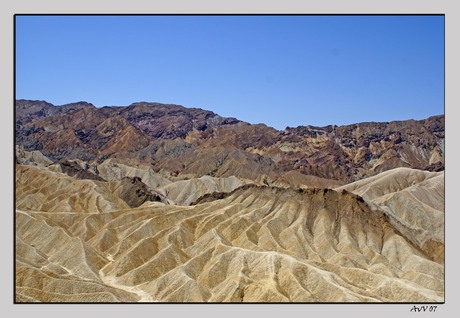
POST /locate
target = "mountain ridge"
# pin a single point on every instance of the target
(179, 139)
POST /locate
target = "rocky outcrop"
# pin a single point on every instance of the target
(134, 192)
(78, 169)
(27, 110)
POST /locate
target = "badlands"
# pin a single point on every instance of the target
(162, 203)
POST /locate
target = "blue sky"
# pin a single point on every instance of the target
(278, 70)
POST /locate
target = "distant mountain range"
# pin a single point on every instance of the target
(196, 142)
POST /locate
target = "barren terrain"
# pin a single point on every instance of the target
(162, 203)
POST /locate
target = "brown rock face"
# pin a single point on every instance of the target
(134, 192)
(194, 141)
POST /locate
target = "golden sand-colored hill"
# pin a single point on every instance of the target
(185, 192)
(111, 170)
(413, 200)
(39, 189)
(254, 244)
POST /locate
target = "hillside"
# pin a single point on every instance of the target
(257, 244)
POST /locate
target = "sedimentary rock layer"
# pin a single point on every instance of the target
(256, 244)
(191, 141)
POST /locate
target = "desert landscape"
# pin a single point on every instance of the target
(163, 203)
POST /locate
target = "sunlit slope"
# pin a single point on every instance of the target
(185, 192)
(53, 265)
(256, 244)
(39, 189)
(414, 201)
(111, 170)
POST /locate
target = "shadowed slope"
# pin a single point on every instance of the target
(298, 180)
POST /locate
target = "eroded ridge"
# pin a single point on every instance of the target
(256, 244)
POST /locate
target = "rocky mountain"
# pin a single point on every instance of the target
(162, 203)
(190, 141)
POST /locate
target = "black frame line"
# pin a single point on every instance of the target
(212, 14)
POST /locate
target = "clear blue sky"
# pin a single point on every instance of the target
(278, 70)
